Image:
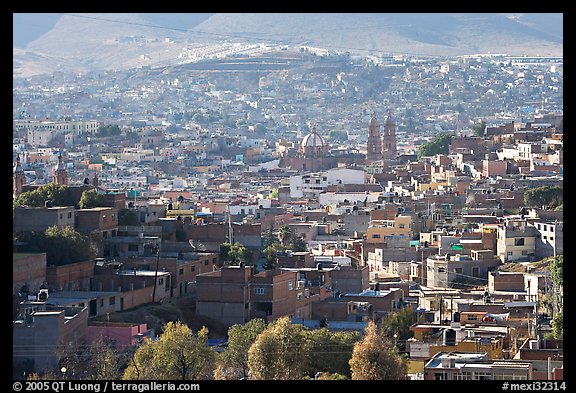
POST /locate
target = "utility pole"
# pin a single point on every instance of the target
(156, 272)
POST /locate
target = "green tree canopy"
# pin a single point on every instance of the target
(179, 354)
(59, 195)
(108, 130)
(278, 352)
(397, 325)
(62, 245)
(479, 128)
(233, 362)
(127, 217)
(329, 353)
(91, 198)
(557, 270)
(550, 196)
(558, 325)
(235, 253)
(375, 357)
(439, 145)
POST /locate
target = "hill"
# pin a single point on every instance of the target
(88, 42)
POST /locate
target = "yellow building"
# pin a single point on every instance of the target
(378, 229)
(492, 346)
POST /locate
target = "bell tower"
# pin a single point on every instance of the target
(389, 149)
(18, 178)
(374, 142)
(60, 176)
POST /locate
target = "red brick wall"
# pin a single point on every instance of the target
(30, 270)
(74, 276)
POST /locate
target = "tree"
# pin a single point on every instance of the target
(62, 245)
(97, 361)
(90, 199)
(374, 357)
(329, 353)
(558, 325)
(551, 196)
(127, 217)
(277, 352)
(557, 270)
(59, 195)
(439, 145)
(397, 325)
(235, 253)
(479, 128)
(179, 354)
(233, 362)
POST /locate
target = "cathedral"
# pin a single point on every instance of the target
(381, 147)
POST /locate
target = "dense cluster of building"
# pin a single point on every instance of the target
(384, 229)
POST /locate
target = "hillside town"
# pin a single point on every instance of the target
(308, 189)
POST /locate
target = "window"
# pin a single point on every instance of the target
(206, 262)
(112, 300)
(458, 270)
(192, 268)
(545, 228)
(375, 236)
(472, 317)
(441, 270)
(214, 260)
(476, 271)
(160, 281)
(481, 375)
(524, 252)
(181, 271)
(290, 285)
(551, 238)
(401, 226)
(464, 376)
(101, 302)
(259, 291)
(440, 376)
(519, 241)
(544, 237)
(69, 214)
(509, 253)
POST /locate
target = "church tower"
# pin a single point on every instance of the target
(18, 178)
(374, 142)
(389, 150)
(60, 176)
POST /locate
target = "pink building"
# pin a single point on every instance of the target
(493, 168)
(123, 335)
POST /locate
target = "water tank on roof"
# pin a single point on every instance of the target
(449, 337)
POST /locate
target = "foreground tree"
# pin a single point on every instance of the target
(439, 145)
(551, 196)
(58, 195)
(375, 357)
(62, 245)
(277, 352)
(235, 253)
(233, 362)
(179, 354)
(397, 326)
(90, 199)
(329, 353)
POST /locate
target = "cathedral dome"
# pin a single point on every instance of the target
(313, 139)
